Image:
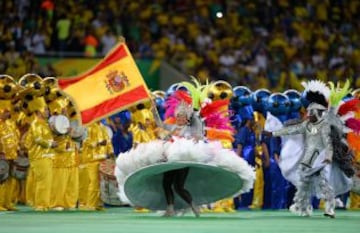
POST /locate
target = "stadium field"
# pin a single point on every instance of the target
(125, 220)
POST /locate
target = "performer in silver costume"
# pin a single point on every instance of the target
(177, 170)
(316, 131)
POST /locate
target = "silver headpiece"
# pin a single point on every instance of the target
(184, 109)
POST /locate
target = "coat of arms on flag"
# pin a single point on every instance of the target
(116, 81)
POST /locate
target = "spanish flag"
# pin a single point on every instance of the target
(111, 86)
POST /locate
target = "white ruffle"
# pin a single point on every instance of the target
(182, 150)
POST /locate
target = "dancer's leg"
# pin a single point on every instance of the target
(168, 180)
(179, 184)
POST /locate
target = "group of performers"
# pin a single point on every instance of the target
(287, 168)
(48, 160)
(204, 147)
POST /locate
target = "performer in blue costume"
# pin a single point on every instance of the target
(122, 139)
(259, 102)
(278, 105)
(245, 140)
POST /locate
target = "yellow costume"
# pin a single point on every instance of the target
(142, 128)
(9, 144)
(96, 147)
(38, 141)
(258, 195)
(83, 179)
(9, 135)
(65, 182)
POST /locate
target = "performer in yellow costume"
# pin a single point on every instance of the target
(9, 143)
(65, 181)
(8, 151)
(96, 147)
(65, 174)
(261, 150)
(32, 86)
(143, 124)
(83, 177)
(39, 141)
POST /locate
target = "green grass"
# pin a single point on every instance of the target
(125, 220)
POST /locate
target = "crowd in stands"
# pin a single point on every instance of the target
(263, 43)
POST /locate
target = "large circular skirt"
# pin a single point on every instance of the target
(206, 184)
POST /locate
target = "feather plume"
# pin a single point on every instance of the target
(218, 121)
(337, 93)
(347, 116)
(316, 97)
(183, 96)
(194, 90)
(317, 86)
(214, 106)
(354, 141)
(215, 134)
(353, 124)
(349, 106)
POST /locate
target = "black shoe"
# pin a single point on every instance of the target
(329, 215)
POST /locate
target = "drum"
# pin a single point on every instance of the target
(20, 168)
(4, 170)
(60, 124)
(77, 131)
(108, 183)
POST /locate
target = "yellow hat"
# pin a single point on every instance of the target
(220, 90)
(32, 83)
(8, 87)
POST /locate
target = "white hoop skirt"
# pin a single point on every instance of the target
(214, 172)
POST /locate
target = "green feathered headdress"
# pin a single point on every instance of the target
(337, 93)
(197, 92)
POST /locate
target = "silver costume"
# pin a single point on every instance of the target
(317, 141)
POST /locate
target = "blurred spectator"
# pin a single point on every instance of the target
(48, 7)
(63, 31)
(108, 41)
(38, 42)
(91, 43)
(255, 43)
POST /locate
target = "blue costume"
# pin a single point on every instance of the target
(245, 136)
(278, 104)
(258, 101)
(122, 139)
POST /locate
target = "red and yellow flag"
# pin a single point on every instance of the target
(111, 86)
